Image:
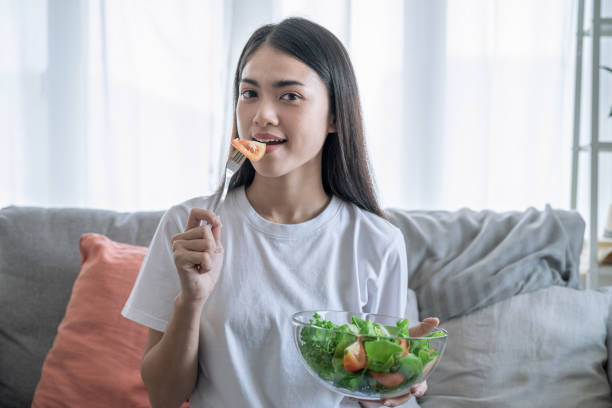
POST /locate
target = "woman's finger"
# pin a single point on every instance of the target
(197, 215)
(213, 223)
(418, 390)
(394, 402)
(216, 231)
(206, 262)
(200, 232)
(425, 327)
(198, 245)
(189, 259)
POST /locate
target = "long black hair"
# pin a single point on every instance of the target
(345, 166)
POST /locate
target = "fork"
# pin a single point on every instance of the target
(233, 164)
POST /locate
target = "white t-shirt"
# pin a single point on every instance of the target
(343, 259)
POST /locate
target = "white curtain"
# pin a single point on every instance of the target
(126, 105)
(468, 103)
(156, 114)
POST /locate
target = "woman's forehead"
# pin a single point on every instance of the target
(268, 65)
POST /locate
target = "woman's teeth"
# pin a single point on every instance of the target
(278, 141)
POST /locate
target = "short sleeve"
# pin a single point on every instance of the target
(152, 298)
(387, 294)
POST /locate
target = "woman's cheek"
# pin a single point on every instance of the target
(242, 119)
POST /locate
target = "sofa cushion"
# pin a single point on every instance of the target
(39, 261)
(95, 357)
(542, 349)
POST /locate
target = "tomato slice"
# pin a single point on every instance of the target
(388, 379)
(354, 357)
(251, 149)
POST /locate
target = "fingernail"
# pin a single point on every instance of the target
(388, 404)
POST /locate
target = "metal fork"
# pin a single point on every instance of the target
(233, 164)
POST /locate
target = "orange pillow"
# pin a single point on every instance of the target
(95, 357)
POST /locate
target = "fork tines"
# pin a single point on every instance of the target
(235, 161)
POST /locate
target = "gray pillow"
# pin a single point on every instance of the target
(464, 260)
(542, 349)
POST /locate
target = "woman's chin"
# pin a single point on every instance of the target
(269, 171)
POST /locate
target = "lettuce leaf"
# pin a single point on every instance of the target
(324, 350)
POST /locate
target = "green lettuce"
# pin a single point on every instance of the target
(324, 352)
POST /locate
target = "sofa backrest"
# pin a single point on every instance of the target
(39, 261)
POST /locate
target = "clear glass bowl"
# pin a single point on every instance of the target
(369, 367)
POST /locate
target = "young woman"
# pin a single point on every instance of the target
(300, 230)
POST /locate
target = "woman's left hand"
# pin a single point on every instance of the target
(419, 389)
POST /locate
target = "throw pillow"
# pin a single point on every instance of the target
(95, 357)
(542, 349)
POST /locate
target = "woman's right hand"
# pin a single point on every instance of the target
(198, 255)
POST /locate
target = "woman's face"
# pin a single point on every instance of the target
(283, 102)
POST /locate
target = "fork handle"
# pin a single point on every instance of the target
(221, 199)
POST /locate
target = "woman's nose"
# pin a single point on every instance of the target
(265, 115)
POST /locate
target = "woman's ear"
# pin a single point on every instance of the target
(331, 128)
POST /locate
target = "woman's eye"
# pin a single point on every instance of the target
(291, 96)
(248, 94)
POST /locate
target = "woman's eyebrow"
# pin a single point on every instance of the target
(277, 84)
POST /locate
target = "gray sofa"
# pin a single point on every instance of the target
(521, 331)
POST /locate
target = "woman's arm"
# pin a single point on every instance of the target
(170, 362)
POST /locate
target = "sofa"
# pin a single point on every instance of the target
(522, 331)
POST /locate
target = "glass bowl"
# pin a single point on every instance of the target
(364, 355)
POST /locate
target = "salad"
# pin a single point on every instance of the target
(365, 356)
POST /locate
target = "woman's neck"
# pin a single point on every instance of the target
(284, 200)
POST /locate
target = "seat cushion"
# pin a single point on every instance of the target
(546, 348)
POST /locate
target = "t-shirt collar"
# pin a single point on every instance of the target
(243, 206)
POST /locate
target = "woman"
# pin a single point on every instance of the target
(300, 230)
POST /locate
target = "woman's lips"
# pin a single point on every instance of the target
(272, 147)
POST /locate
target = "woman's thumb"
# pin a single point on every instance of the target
(216, 231)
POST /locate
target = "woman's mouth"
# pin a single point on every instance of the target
(269, 140)
(272, 142)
